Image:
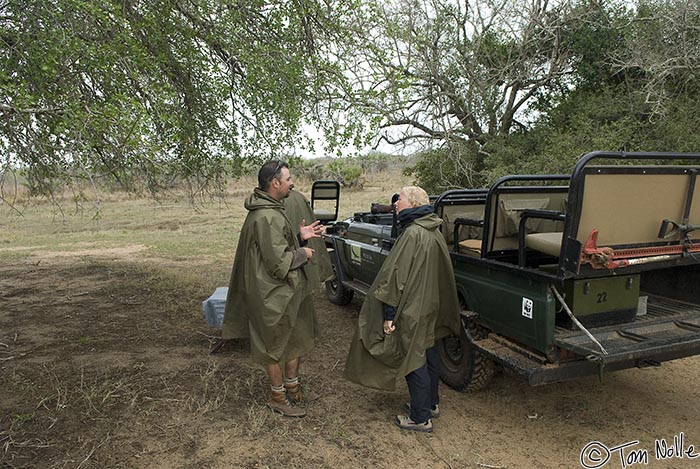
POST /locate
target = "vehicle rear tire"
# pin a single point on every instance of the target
(463, 366)
(336, 292)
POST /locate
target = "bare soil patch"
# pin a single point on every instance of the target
(104, 363)
(109, 253)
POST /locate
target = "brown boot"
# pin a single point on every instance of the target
(297, 394)
(278, 403)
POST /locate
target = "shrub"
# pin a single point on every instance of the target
(450, 167)
(348, 174)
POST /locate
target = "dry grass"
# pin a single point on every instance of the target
(103, 351)
(104, 363)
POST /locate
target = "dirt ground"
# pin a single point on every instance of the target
(104, 362)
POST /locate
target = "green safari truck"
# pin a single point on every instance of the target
(559, 276)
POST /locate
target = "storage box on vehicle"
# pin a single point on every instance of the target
(601, 301)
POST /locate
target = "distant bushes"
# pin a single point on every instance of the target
(344, 170)
(350, 172)
(346, 173)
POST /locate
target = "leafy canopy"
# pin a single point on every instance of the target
(142, 92)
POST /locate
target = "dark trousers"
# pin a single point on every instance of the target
(423, 387)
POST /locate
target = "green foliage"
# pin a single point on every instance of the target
(350, 172)
(609, 118)
(592, 42)
(22, 418)
(143, 92)
(82, 340)
(631, 85)
(375, 161)
(445, 168)
(311, 170)
(345, 172)
(149, 95)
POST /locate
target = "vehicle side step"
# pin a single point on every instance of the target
(532, 368)
(515, 360)
(359, 287)
(537, 372)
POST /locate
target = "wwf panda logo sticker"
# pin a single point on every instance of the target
(356, 254)
(527, 307)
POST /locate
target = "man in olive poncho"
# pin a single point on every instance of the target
(412, 303)
(269, 296)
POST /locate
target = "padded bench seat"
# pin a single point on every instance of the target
(548, 243)
(500, 244)
(471, 245)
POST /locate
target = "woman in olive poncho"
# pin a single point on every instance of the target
(412, 303)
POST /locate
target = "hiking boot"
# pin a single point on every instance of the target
(404, 422)
(296, 394)
(434, 413)
(279, 403)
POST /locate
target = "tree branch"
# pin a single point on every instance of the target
(30, 110)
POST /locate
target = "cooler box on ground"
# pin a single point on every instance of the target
(214, 307)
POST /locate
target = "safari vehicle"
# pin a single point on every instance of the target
(559, 276)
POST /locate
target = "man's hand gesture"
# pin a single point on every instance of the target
(314, 230)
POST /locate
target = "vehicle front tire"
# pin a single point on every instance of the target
(463, 366)
(336, 292)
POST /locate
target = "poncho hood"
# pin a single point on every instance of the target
(409, 215)
(430, 222)
(260, 199)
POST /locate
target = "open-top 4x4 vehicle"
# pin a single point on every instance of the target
(559, 276)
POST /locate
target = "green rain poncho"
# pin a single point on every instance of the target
(417, 279)
(267, 300)
(298, 209)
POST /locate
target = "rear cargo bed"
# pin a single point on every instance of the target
(669, 329)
